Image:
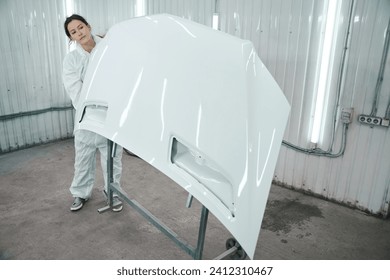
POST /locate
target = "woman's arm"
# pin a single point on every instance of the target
(71, 77)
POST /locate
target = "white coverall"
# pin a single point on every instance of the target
(86, 142)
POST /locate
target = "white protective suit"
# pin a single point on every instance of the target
(86, 142)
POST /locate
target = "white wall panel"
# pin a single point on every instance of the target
(364, 170)
(200, 11)
(31, 51)
(102, 14)
(32, 46)
(287, 36)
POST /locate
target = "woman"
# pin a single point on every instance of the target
(86, 142)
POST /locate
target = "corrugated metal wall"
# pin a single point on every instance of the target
(200, 11)
(287, 35)
(102, 14)
(362, 177)
(31, 51)
(34, 107)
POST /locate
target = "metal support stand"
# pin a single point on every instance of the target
(196, 253)
(111, 151)
(234, 251)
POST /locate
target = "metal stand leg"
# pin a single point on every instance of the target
(196, 253)
(234, 251)
(111, 151)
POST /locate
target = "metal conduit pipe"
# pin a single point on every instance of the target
(319, 152)
(387, 115)
(35, 112)
(341, 75)
(381, 71)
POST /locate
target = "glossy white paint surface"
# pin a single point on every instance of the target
(198, 105)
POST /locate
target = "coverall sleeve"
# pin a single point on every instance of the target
(72, 80)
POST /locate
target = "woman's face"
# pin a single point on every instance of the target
(79, 31)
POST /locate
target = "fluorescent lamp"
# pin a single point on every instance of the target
(69, 8)
(215, 21)
(324, 70)
(140, 8)
(69, 4)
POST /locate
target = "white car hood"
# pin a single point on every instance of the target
(197, 104)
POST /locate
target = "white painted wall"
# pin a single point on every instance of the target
(287, 36)
(34, 107)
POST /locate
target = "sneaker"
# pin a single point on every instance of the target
(77, 204)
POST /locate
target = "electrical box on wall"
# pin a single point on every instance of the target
(373, 120)
(346, 115)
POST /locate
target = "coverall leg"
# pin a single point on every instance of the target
(101, 144)
(86, 144)
(84, 165)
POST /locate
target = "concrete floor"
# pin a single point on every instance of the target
(36, 223)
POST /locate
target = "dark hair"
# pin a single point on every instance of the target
(69, 19)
